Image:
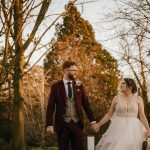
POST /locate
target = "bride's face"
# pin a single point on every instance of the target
(123, 86)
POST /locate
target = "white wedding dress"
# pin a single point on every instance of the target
(126, 132)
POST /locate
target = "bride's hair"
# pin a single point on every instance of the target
(131, 83)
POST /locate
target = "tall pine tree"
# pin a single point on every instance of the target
(75, 40)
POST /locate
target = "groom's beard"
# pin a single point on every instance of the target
(71, 77)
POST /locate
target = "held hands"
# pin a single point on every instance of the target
(50, 130)
(95, 127)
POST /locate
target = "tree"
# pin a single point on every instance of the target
(132, 30)
(97, 68)
(15, 17)
(135, 58)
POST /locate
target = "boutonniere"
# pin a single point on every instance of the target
(78, 84)
(78, 90)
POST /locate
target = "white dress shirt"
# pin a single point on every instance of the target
(66, 85)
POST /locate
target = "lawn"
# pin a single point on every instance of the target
(46, 148)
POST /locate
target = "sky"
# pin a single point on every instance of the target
(91, 11)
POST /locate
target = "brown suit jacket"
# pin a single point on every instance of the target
(57, 104)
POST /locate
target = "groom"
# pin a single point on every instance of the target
(67, 98)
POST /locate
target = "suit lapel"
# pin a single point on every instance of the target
(74, 90)
(62, 89)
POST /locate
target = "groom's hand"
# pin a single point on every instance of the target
(95, 127)
(50, 129)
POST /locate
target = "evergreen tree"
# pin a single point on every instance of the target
(75, 40)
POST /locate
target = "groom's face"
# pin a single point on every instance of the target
(72, 72)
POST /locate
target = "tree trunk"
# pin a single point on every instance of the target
(17, 142)
(142, 73)
(145, 99)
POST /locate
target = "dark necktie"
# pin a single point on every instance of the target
(69, 90)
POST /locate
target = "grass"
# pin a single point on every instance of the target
(46, 148)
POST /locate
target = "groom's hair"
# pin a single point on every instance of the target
(131, 83)
(68, 64)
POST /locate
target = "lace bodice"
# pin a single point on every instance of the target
(124, 108)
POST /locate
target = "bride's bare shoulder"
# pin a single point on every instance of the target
(139, 99)
(116, 98)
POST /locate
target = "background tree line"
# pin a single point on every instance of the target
(130, 26)
(97, 68)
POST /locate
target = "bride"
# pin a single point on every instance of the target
(129, 126)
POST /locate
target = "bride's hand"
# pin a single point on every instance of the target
(95, 127)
